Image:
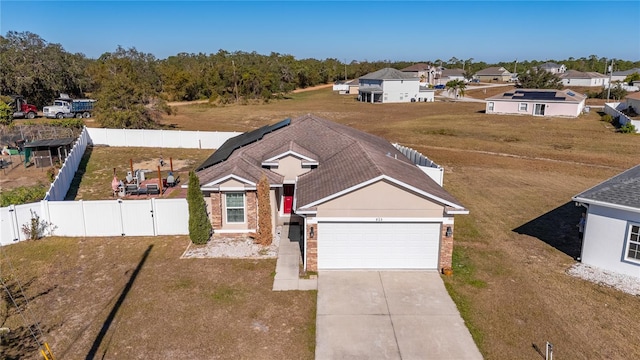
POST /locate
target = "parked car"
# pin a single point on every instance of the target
(441, 86)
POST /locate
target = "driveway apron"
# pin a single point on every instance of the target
(389, 315)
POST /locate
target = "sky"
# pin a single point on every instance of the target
(490, 31)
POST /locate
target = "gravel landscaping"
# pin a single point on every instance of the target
(234, 247)
(625, 283)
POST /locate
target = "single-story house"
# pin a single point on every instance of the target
(494, 73)
(451, 74)
(388, 85)
(425, 72)
(538, 102)
(553, 68)
(349, 87)
(361, 202)
(619, 76)
(611, 239)
(48, 152)
(580, 78)
(633, 101)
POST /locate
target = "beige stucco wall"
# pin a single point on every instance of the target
(381, 199)
(290, 167)
(231, 183)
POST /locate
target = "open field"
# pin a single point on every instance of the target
(516, 174)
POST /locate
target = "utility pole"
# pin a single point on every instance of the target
(235, 80)
(345, 69)
(610, 73)
(515, 66)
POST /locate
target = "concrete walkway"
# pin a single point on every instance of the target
(389, 315)
(288, 263)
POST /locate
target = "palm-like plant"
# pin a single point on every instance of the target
(457, 87)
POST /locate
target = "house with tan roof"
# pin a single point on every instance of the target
(581, 78)
(537, 102)
(493, 74)
(427, 73)
(611, 239)
(361, 202)
(451, 74)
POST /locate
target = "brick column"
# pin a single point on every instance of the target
(446, 247)
(215, 210)
(312, 248)
(252, 210)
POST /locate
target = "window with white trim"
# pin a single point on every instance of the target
(633, 243)
(490, 105)
(523, 107)
(235, 207)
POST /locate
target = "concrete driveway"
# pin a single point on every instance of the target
(389, 315)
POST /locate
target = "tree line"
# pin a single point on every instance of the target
(133, 87)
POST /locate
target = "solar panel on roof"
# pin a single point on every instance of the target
(570, 93)
(239, 141)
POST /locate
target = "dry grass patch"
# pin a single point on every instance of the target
(173, 308)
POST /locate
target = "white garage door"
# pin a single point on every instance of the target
(378, 245)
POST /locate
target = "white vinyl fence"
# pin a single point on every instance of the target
(150, 217)
(613, 109)
(433, 170)
(159, 138)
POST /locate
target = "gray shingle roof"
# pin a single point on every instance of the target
(388, 74)
(493, 71)
(626, 72)
(550, 65)
(574, 74)
(346, 157)
(622, 190)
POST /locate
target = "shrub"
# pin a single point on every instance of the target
(608, 118)
(628, 128)
(199, 224)
(35, 229)
(22, 195)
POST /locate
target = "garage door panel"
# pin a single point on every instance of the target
(378, 245)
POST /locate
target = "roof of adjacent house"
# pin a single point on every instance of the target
(574, 74)
(417, 67)
(452, 72)
(634, 96)
(493, 71)
(622, 190)
(353, 82)
(346, 157)
(626, 72)
(388, 74)
(548, 95)
(550, 65)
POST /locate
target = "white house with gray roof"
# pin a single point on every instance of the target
(621, 75)
(580, 78)
(553, 68)
(389, 85)
(612, 233)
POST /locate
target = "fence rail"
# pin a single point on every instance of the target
(151, 217)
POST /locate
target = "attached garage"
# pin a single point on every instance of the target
(378, 245)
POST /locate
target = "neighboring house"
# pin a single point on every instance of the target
(425, 72)
(451, 74)
(426, 94)
(388, 86)
(495, 73)
(633, 101)
(349, 87)
(619, 76)
(553, 68)
(361, 202)
(612, 233)
(539, 102)
(579, 78)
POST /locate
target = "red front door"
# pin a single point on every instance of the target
(287, 198)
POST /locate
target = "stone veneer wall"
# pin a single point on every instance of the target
(215, 210)
(446, 247)
(312, 247)
(252, 209)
